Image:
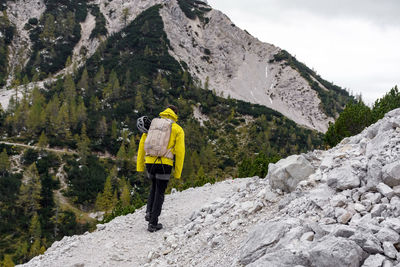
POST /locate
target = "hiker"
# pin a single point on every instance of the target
(161, 148)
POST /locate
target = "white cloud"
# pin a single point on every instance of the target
(353, 51)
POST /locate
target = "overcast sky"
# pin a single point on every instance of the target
(354, 44)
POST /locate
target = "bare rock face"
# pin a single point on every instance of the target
(239, 66)
(287, 173)
(19, 12)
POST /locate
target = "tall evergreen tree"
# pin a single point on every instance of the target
(101, 129)
(4, 162)
(83, 83)
(43, 141)
(83, 145)
(105, 199)
(126, 196)
(69, 88)
(35, 230)
(99, 78)
(121, 155)
(29, 193)
(7, 262)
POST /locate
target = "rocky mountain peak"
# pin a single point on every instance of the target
(206, 42)
(340, 209)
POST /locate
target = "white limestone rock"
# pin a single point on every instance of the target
(374, 261)
(263, 237)
(377, 210)
(389, 250)
(343, 178)
(309, 236)
(391, 174)
(343, 231)
(338, 200)
(385, 190)
(388, 235)
(336, 251)
(288, 172)
(393, 223)
(367, 241)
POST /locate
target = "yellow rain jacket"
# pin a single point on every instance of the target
(176, 143)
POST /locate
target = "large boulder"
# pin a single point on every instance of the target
(336, 251)
(391, 174)
(288, 172)
(261, 240)
(343, 178)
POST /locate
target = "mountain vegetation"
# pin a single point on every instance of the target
(356, 116)
(93, 111)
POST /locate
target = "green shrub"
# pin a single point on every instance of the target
(119, 210)
(357, 116)
(385, 104)
(257, 166)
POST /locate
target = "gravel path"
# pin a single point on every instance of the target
(125, 241)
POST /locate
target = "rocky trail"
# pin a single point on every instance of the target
(338, 207)
(62, 151)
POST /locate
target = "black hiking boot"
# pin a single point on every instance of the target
(153, 228)
(147, 217)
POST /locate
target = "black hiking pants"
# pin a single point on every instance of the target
(159, 175)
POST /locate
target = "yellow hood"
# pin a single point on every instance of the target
(169, 114)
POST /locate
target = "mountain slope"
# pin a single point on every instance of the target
(207, 44)
(344, 214)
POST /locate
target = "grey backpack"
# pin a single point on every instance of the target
(157, 139)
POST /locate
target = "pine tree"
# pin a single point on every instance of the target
(35, 249)
(83, 145)
(101, 129)
(125, 15)
(114, 175)
(72, 114)
(49, 28)
(121, 155)
(150, 100)
(112, 90)
(52, 109)
(69, 88)
(22, 251)
(125, 195)
(99, 78)
(132, 149)
(81, 111)
(68, 62)
(4, 162)
(36, 117)
(7, 262)
(139, 105)
(29, 193)
(70, 25)
(35, 230)
(83, 83)
(114, 130)
(114, 199)
(105, 199)
(43, 141)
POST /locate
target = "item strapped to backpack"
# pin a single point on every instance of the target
(157, 139)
